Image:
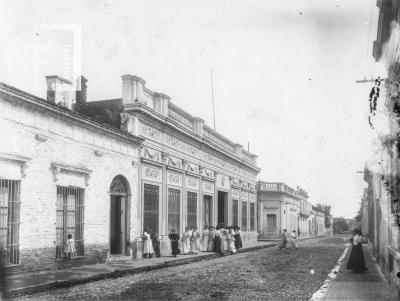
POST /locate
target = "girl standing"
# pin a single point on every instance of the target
(147, 244)
(69, 247)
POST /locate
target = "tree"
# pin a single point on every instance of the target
(326, 209)
(340, 225)
(359, 216)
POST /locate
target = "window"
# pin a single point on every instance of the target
(251, 216)
(271, 223)
(174, 209)
(207, 210)
(69, 219)
(235, 213)
(244, 216)
(191, 209)
(9, 220)
(150, 207)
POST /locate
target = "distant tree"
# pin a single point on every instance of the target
(340, 225)
(359, 216)
(326, 209)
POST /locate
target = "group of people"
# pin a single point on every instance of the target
(288, 240)
(194, 241)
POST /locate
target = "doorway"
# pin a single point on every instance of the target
(222, 217)
(119, 222)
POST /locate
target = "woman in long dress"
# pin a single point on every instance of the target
(211, 235)
(356, 260)
(231, 236)
(204, 239)
(185, 241)
(147, 244)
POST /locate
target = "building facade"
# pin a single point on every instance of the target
(279, 209)
(190, 175)
(304, 215)
(104, 171)
(381, 219)
(60, 174)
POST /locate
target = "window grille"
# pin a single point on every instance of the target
(9, 220)
(244, 216)
(192, 209)
(174, 206)
(151, 207)
(251, 216)
(207, 210)
(235, 213)
(271, 223)
(69, 219)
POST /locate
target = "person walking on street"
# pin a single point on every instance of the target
(283, 242)
(292, 240)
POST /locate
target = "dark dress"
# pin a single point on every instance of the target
(238, 241)
(217, 244)
(174, 238)
(356, 260)
(156, 244)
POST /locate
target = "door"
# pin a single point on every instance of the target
(115, 222)
(207, 210)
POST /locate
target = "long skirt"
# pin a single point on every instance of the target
(238, 242)
(174, 247)
(217, 244)
(356, 260)
(186, 246)
(204, 243)
(148, 248)
(210, 245)
(156, 247)
(232, 248)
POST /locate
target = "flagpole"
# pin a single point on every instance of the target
(212, 95)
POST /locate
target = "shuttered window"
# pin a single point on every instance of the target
(191, 209)
(235, 213)
(150, 207)
(174, 209)
(244, 216)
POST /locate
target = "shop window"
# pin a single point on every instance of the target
(244, 216)
(174, 209)
(151, 207)
(235, 213)
(192, 209)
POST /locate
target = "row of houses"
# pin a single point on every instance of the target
(104, 171)
(283, 207)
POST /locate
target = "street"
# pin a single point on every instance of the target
(268, 274)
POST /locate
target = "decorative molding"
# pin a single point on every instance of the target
(20, 160)
(41, 138)
(192, 183)
(150, 132)
(207, 173)
(208, 187)
(174, 178)
(245, 186)
(174, 162)
(235, 193)
(235, 182)
(58, 168)
(245, 195)
(151, 173)
(153, 155)
(223, 182)
(190, 167)
(252, 197)
(128, 124)
(181, 146)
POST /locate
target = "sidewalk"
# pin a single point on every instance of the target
(34, 282)
(371, 285)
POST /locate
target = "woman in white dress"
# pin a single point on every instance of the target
(195, 241)
(147, 244)
(231, 236)
(185, 241)
(204, 239)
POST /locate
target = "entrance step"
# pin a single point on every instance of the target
(119, 258)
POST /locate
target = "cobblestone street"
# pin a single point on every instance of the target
(268, 274)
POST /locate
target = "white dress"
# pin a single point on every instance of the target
(147, 245)
(204, 240)
(185, 242)
(232, 241)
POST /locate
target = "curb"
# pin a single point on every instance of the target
(123, 272)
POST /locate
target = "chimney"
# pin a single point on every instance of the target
(81, 90)
(60, 91)
(238, 149)
(132, 89)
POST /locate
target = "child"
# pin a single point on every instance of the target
(147, 245)
(174, 238)
(69, 247)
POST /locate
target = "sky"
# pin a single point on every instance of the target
(284, 73)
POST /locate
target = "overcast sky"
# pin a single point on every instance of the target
(284, 73)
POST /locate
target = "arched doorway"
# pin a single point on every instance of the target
(119, 217)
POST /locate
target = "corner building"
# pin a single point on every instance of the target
(190, 175)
